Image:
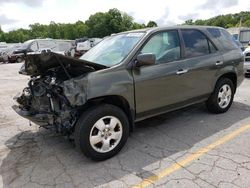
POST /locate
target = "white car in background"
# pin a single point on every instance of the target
(247, 61)
(86, 45)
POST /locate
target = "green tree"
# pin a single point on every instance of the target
(152, 24)
(81, 29)
(189, 22)
(113, 21)
(127, 22)
(138, 26)
(1, 34)
(100, 24)
(226, 21)
(247, 23)
(53, 30)
(1, 31)
(97, 25)
(38, 31)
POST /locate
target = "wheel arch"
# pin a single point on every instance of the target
(230, 75)
(115, 100)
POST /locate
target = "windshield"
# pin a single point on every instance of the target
(112, 50)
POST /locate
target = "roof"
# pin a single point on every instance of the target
(153, 29)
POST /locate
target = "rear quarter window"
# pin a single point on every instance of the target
(226, 39)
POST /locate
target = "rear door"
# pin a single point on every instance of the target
(202, 60)
(232, 54)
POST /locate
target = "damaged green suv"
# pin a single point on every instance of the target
(128, 77)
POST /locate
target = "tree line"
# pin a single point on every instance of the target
(241, 19)
(100, 24)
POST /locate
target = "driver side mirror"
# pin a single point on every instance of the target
(145, 59)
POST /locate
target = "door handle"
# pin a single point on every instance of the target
(182, 71)
(219, 63)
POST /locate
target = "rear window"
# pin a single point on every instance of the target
(227, 41)
(196, 43)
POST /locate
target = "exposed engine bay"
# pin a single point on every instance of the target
(55, 91)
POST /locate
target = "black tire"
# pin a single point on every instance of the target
(213, 103)
(19, 60)
(85, 124)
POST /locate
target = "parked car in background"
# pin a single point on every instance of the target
(241, 34)
(3, 56)
(82, 45)
(19, 53)
(247, 60)
(128, 77)
(3, 45)
(6, 52)
(63, 46)
(85, 46)
(36, 45)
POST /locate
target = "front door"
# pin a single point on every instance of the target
(161, 85)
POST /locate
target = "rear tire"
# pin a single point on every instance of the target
(101, 132)
(19, 60)
(222, 97)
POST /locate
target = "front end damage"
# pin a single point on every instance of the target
(56, 90)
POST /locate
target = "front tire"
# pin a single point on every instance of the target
(222, 97)
(101, 132)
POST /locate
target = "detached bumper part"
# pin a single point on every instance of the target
(40, 119)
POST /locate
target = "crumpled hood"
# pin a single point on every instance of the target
(38, 63)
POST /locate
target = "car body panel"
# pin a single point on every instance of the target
(121, 86)
(233, 63)
(158, 86)
(200, 75)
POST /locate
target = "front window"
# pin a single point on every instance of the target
(112, 50)
(165, 46)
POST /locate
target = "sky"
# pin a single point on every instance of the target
(16, 14)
